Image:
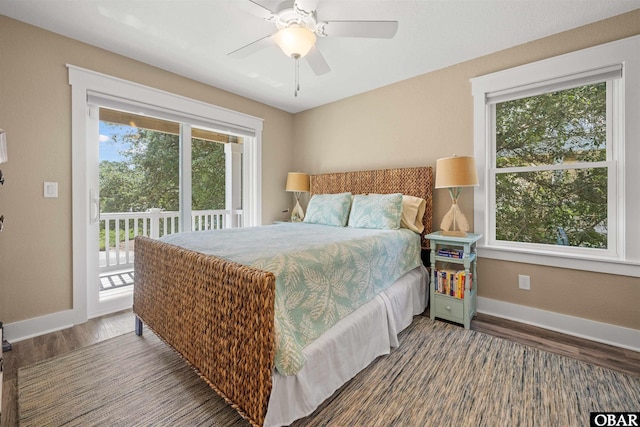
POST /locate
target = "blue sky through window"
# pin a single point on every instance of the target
(109, 149)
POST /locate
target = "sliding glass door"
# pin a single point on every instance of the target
(137, 179)
(156, 177)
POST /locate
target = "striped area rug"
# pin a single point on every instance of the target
(441, 375)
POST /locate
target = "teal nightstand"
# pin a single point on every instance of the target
(444, 302)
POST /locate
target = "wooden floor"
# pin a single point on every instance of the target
(35, 349)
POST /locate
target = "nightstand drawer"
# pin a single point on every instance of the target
(449, 308)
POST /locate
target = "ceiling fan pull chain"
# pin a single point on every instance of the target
(296, 67)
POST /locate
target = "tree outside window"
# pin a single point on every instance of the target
(551, 177)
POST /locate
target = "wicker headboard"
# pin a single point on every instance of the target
(416, 182)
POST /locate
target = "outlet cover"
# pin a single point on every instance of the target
(50, 189)
(524, 282)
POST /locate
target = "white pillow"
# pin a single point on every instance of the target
(412, 212)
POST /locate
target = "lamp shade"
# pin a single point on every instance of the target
(456, 172)
(295, 40)
(298, 181)
(3, 146)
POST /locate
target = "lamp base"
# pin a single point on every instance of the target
(297, 214)
(454, 223)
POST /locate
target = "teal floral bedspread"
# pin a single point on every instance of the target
(323, 273)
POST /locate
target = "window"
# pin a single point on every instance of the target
(551, 153)
(140, 167)
(138, 162)
(556, 142)
(91, 91)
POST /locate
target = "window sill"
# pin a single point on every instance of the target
(570, 261)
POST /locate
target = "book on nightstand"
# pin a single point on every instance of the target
(452, 282)
(451, 253)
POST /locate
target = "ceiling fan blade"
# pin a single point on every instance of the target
(253, 47)
(255, 9)
(317, 62)
(307, 7)
(372, 29)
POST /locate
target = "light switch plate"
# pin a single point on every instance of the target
(50, 189)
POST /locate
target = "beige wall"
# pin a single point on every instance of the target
(35, 110)
(410, 123)
(416, 121)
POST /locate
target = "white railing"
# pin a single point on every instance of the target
(118, 252)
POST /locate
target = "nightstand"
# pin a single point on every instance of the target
(453, 291)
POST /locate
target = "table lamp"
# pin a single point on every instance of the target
(297, 182)
(454, 173)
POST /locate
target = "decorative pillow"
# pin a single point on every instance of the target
(329, 209)
(376, 211)
(412, 212)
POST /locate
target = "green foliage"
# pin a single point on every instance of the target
(559, 128)
(120, 187)
(149, 177)
(155, 157)
(208, 187)
(112, 236)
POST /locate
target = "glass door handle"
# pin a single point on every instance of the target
(95, 207)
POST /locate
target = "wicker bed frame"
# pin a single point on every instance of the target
(219, 315)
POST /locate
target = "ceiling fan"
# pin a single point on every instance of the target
(297, 28)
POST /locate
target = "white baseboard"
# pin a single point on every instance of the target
(606, 333)
(111, 306)
(29, 328)
(36, 326)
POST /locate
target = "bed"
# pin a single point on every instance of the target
(220, 315)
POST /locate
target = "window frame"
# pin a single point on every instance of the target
(612, 147)
(112, 92)
(623, 253)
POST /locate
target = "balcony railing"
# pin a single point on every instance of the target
(118, 252)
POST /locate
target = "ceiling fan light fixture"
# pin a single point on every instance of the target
(295, 40)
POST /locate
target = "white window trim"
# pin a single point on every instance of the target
(625, 53)
(85, 83)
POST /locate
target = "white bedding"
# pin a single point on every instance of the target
(347, 348)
